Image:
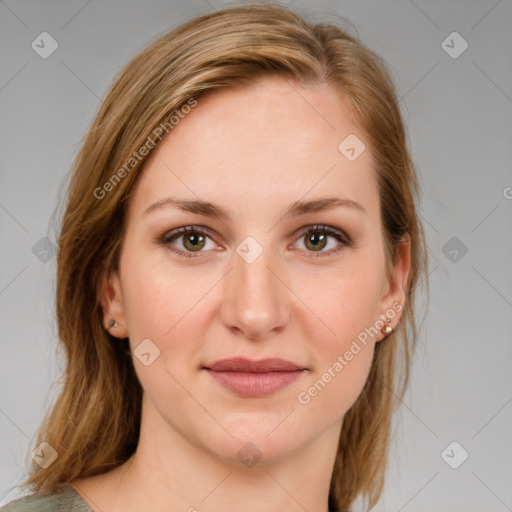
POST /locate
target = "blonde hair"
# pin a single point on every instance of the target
(94, 422)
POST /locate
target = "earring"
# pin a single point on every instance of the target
(112, 323)
(387, 329)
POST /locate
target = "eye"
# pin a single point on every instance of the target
(194, 240)
(316, 239)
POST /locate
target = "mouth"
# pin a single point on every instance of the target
(249, 378)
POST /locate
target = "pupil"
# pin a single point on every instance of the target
(314, 239)
(194, 240)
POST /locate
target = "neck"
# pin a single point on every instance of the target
(168, 472)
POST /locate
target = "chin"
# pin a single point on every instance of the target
(257, 438)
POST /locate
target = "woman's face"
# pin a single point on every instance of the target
(254, 283)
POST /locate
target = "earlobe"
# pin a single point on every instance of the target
(112, 305)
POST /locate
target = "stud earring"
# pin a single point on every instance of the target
(112, 323)
(387, 329)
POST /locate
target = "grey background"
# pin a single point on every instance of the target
(459, 117)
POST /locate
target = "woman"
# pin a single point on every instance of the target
(236, 275)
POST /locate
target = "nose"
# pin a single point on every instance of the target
(256, 300)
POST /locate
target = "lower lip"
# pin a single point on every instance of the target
(255, 384)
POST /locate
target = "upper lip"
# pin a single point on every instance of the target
(242, 364)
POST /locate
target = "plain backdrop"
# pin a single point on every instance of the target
(457, 105)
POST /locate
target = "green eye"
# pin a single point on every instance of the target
(317, 238)
(195, 239)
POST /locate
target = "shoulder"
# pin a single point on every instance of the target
(64, 499)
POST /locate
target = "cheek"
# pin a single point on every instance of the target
(332, 391)
(342, 303)
(164, 307)
(348, 308)
(344, 352)
(159, 298)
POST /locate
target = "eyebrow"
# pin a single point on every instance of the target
(296, 209)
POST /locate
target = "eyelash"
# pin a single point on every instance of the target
(344, 240)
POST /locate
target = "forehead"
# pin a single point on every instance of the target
(272, 141)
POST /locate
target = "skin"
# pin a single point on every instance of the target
(253, 151)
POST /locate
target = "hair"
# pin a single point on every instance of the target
(94, 422)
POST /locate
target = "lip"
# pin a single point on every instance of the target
(242, 364)
(250, 378)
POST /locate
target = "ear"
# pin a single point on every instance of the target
(395, 290)
(112, 303)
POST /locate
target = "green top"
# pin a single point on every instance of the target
(64, 499)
